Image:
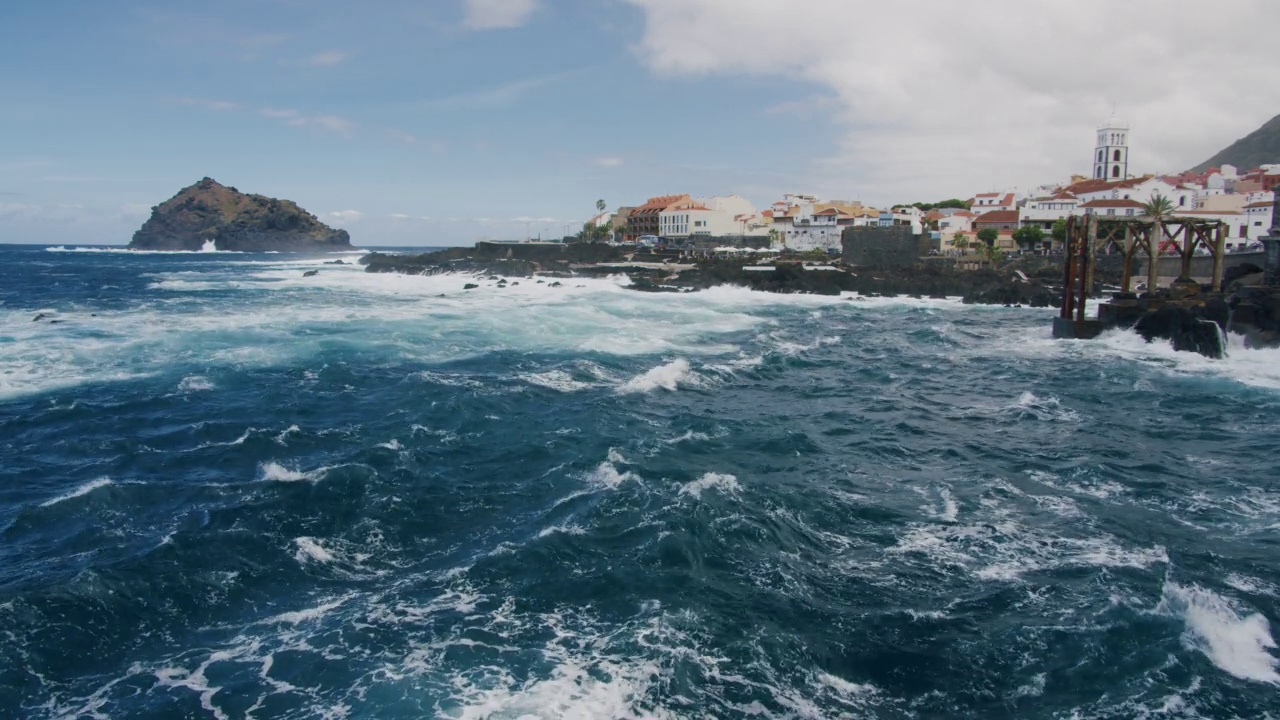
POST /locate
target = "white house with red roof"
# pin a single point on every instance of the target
(988, 202)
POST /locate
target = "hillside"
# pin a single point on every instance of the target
(234, 221)
(1260, 147)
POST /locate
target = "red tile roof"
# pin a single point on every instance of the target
(1093, 186)
(998, 216)
(1112, 204)
(1260, 204)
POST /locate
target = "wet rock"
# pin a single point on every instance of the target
(1185, 327)
(311, 273)
(470, 286)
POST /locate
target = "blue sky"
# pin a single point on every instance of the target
(438, 121)
(399, 111)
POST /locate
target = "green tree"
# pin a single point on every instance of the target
(989, 236)
(1059, 231)
(774, 237)
(1028, 237)
(1158, 209)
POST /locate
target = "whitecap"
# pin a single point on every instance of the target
(666, 377)
(726, 484)
(606, 474)
(562, 529)
(84, 489)
(556, 380)
(275, 472)
(195, 383)
(1236, 642)
(310, 550)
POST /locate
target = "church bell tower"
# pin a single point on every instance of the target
(1111, 156)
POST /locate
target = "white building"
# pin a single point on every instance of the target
(1043, 212)
(684, 219)
(1111, 155)
(987, 202)
(1257, 216)
(719, 216)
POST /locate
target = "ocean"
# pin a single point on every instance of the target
(231, 491)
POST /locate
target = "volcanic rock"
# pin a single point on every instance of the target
(232, 220)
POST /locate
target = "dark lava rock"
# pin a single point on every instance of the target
(311, 273)
(234, 221)
(470, 286)
(1185, 327)
(336, 262)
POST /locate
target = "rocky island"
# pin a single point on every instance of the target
(209, 212)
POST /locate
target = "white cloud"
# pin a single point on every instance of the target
(404, 137)
(608, 162)
(328, 123)
(937, 99)
(220, 105)
(399, 216)
(327, 59)
(495, 14)
(345, 217)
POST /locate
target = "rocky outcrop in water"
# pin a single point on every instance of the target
(232, 220)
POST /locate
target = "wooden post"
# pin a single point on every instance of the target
(1219, 256)
(1188, 249)
(1068, 279)
(1086, 268)
(1153, 252)
(1130, 243)
(1091, 252)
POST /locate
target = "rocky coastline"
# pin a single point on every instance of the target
(672, 272)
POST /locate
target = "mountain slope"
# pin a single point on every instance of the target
(1260, 147)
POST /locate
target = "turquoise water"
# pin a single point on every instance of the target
(230, 491)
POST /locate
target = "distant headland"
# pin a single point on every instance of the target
(209, 212)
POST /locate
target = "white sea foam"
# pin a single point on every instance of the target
(393, 444)
(1236, 641)
(556, 380)
(562, 530)
(725, 484)
(666, 377)
(195, 383)
(82, 490)
(310, 550)
(606, 474)
(1255, 367)
(283, 437)
(275, 472)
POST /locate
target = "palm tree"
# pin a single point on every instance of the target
(1157, 210)
(961, 242)
(601, 205)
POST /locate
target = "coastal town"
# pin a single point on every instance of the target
(999, 221)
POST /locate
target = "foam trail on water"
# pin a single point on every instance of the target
(84, 489)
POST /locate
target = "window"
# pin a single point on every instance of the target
(1101, 155)
(1117, 156)
(1129, 211)
(1115, 171)
(1182, 201)
(1111, 211)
